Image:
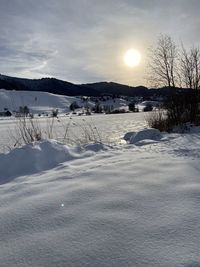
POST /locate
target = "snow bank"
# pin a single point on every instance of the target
(40, 156)
(145, 136)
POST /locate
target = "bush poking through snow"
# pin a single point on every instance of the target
(181, 109)
(54, 112)
(88, 133)
(157, 119)
(29, 130)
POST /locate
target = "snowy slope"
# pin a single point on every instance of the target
(42, 102)
(37, 102)
(129, 205)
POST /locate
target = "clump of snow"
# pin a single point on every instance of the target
(145, 134)
(40, 156)
(128, 136)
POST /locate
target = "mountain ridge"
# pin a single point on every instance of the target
(56, 86)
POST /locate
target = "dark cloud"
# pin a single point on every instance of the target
(84, 41)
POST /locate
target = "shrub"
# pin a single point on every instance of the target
(184, 108)
(23, 110)
(69, 131)
(73, 106)
(87, 133)
(54, 113)
(118, 111)
(28, 131)
(131, 106)
(180, 109)
(98, 108)
(147, 108)
(158, 120)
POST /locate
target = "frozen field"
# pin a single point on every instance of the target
(96, 205)
(110, 127)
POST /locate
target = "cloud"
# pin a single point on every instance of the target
(84, 41)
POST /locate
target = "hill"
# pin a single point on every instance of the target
(118, 89)
(55, 86)
(38, 102)
(50, 85)
(44, 102)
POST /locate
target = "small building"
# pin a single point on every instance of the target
(6, 113)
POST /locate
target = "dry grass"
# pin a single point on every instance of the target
(28, 130)
(158, 119)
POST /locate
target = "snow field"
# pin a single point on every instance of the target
(37, 102)
(130, 205)
(44, 103)
(109, 129)
(133, 202)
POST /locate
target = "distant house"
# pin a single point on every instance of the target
(6, 113)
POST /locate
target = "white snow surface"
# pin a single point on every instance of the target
(143, 135)
(39, 156)
(125, 205)
(38, 102)
(110, 127)
(43, 102)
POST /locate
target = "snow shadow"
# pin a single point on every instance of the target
(41, 156)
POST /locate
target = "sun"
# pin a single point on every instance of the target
(132, 58)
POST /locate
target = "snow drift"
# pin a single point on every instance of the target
(143, 137)
(40, 156)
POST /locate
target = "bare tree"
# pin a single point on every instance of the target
(195, 52)
(190, 67)
(163, 62)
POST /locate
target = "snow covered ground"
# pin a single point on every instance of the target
(129, 204)
(38, 102)
(110, 127)
(44, 103)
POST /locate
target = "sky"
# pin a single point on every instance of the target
(84, 41)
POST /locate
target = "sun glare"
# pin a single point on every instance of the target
(132, 58)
